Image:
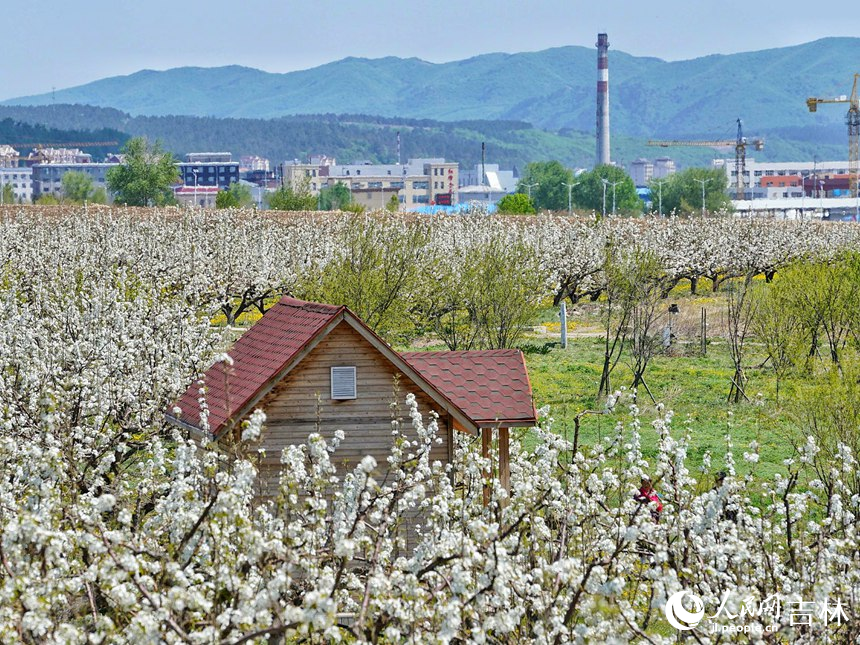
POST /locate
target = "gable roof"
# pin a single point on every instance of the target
(264, 351)
(478, 389)
(492, 386)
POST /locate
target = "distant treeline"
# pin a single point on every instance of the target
(19, 134)
(354, 137)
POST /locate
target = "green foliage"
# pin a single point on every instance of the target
(354, 207)
(237, 196)
(484, 299)
(375, 267)
(77, 187)
(146, 176)
(550, 177)
(595, 186)
(99, 196)
(47, 200)
(393, 204)
(7, 194)
(335, 198)
(682, 191)
(287, 198)
(826, 406)
(515, 204)
(226, 199)
(822, 300)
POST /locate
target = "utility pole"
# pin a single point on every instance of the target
(529, 188)
(703, 182)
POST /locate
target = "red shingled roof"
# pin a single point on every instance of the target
(486, 387)
(491, 387)
(260, 353)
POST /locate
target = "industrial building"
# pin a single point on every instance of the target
(782, 180)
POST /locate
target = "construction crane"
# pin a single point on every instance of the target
(66, 144)
(740, 144)
(852, 120)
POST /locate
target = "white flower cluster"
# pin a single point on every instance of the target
(114, 527)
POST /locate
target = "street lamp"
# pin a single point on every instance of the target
(569, 194)
(660, 196)
(614, 184)
(194, 172)
(605, 181)
(529, 188)
(703, 182)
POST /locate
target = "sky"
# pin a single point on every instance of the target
(61, 44)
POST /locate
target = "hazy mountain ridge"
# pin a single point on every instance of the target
(551, 89)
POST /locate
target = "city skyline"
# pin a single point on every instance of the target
(61, 46)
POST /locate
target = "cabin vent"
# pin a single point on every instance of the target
(343, 383)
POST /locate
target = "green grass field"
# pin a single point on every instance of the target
(694, 387)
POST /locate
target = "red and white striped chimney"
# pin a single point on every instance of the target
(602, 99)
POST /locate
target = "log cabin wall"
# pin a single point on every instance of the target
(301, 404)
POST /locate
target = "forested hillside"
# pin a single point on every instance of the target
(19, 133)
(355, 137)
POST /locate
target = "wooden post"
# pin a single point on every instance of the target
(505, 458)
(486, 441)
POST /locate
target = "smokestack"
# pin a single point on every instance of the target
(602, 99)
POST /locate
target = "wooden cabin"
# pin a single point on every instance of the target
(314, 367)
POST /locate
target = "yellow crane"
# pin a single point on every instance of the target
(740, 145)
(852, 120)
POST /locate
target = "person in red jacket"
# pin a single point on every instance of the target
(646, 495)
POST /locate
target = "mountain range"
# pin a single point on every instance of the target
(552, 90)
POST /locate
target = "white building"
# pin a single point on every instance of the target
(21, 180)
(763, 178)
(641, 172)
(194, 196)
(8, 156)
(494, 179)
(663, 167)
(416, 183)
(251, 163)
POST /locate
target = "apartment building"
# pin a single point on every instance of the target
(663, 167)
(417, 182)
(48, 177)
(21, 181)
(209, 169)
(642, 172)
